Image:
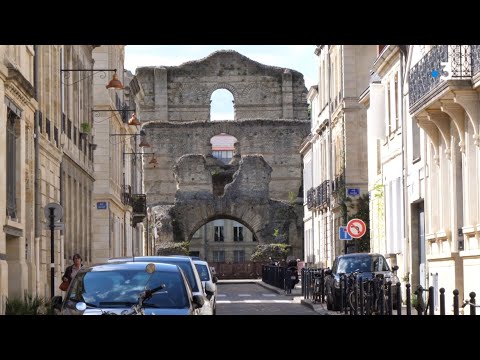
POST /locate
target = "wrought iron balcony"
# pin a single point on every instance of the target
(475, 53)
(423, 84)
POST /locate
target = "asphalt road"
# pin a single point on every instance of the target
(253, 299)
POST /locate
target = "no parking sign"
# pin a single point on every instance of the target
(356, 228)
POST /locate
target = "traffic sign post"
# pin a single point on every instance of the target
(356, 228)
(53, 214)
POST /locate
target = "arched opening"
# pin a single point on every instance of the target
(222, 105)
(225, 241)
(223, 147)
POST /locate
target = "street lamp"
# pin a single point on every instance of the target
(112, 84)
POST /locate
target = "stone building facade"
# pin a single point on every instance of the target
(118, 162)
(388, 128)
(334, 154)
(445, 105)
(17, 112)
(270, 112)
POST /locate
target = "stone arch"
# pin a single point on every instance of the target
(158, 88)
(218, 86)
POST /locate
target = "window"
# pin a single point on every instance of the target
(415, 141)
(238, 233)
(55, 136)
(218, 256)
(218, 233)
(11, 149)
(64, 120)
(223, 155)
(47, 128)
(75, 135)
(69, 129)
(239, 256)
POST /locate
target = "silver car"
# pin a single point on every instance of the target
(209, 280)
(115, 288)
(186, 264)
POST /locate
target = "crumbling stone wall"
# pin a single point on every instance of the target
(245, 200)
(173, 103)
(277, 141)
(183, 93)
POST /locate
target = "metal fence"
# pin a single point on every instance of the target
(377, 296)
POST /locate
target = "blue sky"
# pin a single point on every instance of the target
(296, 57)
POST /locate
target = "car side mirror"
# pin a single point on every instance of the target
(57, 302)
(209, 289)
(198, 301)
(395, 267)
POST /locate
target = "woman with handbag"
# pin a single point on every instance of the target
(71, 271)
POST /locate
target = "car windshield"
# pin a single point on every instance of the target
(121, 288)
(362, 263)
(203, 272)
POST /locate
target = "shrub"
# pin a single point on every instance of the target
(173, 248)
(28, 305)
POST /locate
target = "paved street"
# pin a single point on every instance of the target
(253, 299)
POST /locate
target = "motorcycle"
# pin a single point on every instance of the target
(136, 309)
(293, 270)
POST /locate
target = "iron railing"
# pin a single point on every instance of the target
(475, 54)
(422, 80)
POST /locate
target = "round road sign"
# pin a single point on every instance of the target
(356, 228)
(57, 211)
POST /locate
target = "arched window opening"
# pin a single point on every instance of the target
(223, 147)
(222, 105)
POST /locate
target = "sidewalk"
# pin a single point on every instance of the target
(297, 297)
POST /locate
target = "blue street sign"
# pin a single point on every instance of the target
(353, 191)
(343, 233)
(101, 205)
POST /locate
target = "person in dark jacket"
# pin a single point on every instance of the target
(72, 270)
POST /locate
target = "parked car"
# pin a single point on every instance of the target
(188, 267)
(367, 264)
(115, 288)
(209, 281)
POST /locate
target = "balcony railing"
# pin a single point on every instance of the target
(475, 54)
(322, 194)
(421, 80)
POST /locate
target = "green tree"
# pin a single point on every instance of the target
(265, 252)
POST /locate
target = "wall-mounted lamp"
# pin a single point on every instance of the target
(112, 84)
(132, 121)
(153, 160)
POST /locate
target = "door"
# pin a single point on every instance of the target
(421, 244)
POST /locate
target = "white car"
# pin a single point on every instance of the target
(208, 281)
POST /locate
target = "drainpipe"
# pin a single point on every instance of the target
(37, 184)
(62, 187)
